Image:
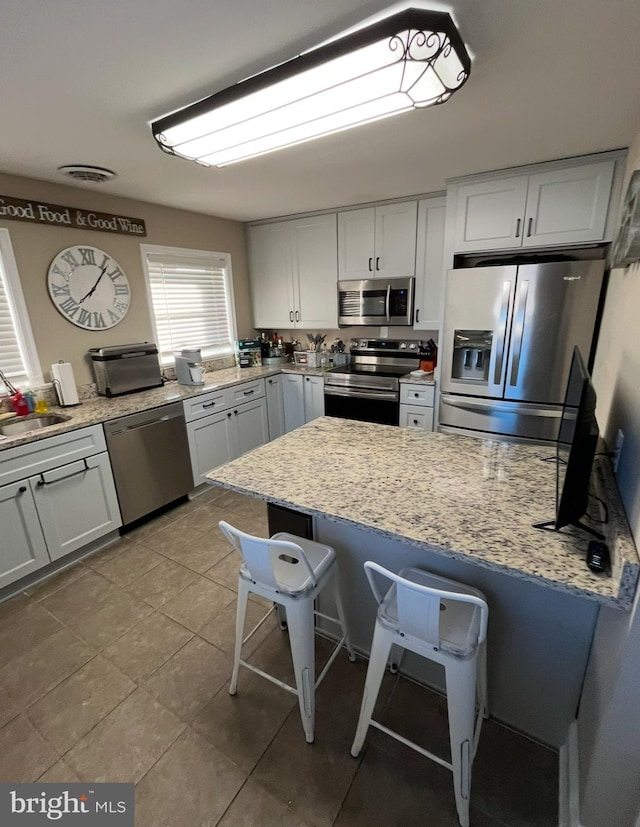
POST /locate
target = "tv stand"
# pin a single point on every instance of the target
(550, 525)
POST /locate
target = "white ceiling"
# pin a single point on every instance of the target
(80, 81)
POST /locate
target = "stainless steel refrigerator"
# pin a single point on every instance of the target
(507, 342)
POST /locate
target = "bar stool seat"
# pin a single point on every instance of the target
(290, 571)
(446, 622)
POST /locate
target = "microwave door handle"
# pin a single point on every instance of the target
(388, 303)
(518, 334)
(502, 332)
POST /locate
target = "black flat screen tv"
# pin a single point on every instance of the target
(575, 449)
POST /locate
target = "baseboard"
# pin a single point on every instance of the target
(569, 781)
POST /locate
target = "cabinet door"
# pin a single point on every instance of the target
(313, 397)
(209, 444)
(429, 263)
(275, 406)
(249, 427)
(23, 548)
(314, 251)
(293, 401)
(76, 504)
(417, 417)
(489, 215)
(568, 206)
(271, 281)
(356, 242)
(395, 247)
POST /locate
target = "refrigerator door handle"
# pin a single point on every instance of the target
(482, 405)
(518, 330)
(502, 332)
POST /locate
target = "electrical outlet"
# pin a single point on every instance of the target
(617, 449)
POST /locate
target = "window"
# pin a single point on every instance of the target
(191, 295)
(18, 356)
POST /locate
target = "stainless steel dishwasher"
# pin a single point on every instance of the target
(149, 455)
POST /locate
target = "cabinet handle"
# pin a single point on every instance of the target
(529, 228)
(271, 381)
(370, 263)
(518, 222)
(291, 315)
(415, 421)
(248, 393)
(377, 262)
(416, 395)
(297, 315)
(22, 489)
(307, 378)
(42, 480)
(229, 415)
(417, 316)
(236, 413)
(208, 404)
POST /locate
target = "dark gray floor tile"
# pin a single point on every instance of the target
(192, 784)
(24, 753)
(190, 678)
(127, 743)
(254, 807)
(244, 725)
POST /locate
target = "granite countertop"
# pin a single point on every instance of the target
(471, 499)
(100, 409)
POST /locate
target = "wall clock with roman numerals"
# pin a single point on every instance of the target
(89, 287)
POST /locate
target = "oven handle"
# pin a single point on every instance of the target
(383, 396)
(388, 302)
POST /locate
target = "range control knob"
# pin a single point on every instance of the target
(412, 346)
(403, 345)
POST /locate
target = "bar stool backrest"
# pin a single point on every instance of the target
(419, 610)
(262, 557)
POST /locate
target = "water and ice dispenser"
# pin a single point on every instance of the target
(471, 355)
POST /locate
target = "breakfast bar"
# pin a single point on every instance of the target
(463, 508)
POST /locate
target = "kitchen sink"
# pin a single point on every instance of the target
(31, 422)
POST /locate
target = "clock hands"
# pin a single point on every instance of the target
(93, 289)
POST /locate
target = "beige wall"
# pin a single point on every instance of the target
(35, 246)
(609, 717)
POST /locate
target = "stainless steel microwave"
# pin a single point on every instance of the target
(376, 302)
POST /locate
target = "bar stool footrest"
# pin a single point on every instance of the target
(412, 745)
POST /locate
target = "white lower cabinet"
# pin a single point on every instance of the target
(76, 504)
(275, 406)
(221, 425)
(68, 502)
(303, 399)
(417, 406)
(23, 547)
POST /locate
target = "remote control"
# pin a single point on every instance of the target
(598, 556)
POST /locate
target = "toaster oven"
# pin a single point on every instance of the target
(126, 368)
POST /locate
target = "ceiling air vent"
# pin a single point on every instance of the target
(87, 174)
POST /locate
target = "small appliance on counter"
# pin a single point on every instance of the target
(126, 368)
(65, 384)
(249, 353)
(189, 369)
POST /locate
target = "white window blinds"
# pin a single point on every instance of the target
(192, 302)
(18, 358)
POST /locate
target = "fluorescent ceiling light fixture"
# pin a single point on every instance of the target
(410, 60)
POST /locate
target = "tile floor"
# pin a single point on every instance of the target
(117, 669)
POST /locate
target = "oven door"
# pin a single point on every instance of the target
(366, 405)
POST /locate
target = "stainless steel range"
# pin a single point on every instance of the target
(369, 388)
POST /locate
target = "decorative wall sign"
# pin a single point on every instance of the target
(39, 212)
(626, 247)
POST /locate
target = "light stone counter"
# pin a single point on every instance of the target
(472, 500)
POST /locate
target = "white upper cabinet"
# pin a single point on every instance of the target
(560, 205)
(377, 242)
(293, 268)
(429, 263)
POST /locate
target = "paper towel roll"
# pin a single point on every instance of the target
(65, 383)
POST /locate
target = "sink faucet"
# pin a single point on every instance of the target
(8, 384)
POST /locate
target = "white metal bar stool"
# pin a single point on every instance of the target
(290, 571)
(446, 622)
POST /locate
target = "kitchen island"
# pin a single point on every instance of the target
(463, 508)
